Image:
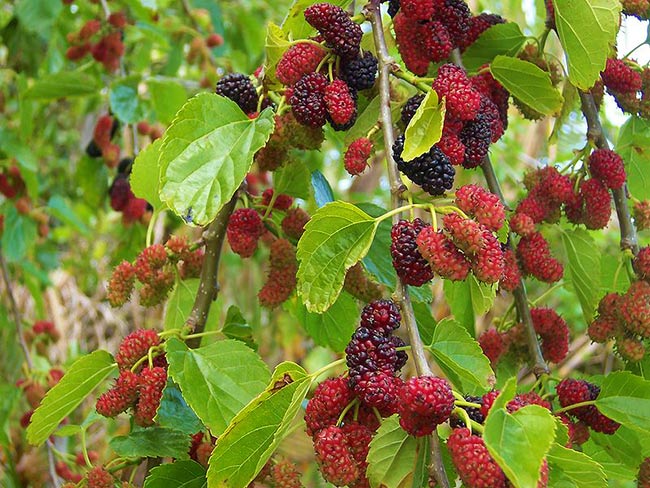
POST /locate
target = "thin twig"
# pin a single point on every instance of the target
(521, 298)
(208, 286)
(595, 133)
(373, 14)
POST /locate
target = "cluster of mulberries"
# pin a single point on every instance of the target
(281, 280)
(138, 386)
(428, 30)
(100, 145)
(549, 326)
(342, 415)
(288, 134)
(102, 40)
(629, 84)
(474, 464)
(328, 95)
(626, 317)
(476, 116)
(123, 200)
(463, 245)
(154, 269)
(358, 284)
(549, 195)
(571, 392)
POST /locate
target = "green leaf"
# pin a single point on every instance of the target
(59, 208)
(365, 121)
(124, 100)
(38, 16)
(145, 175)
(587, 29)
(528, 83)
(337, 236)
(392, 457)
(625, 397)
(334, 327)
(623, 447)
(206, 153)
(275, 45)
(633, 145)
(583, 268)
(322, 189)
(180, 303)
(152, 442)
(501, 39)
(519, 441)
(61, 85)
(18, 235)
(180, 474)
(167, 97)
(458, 295)
(217, 380)
(9, 395)
(293, 179)
(572, 468)
(254, 434)
(460, 357)
(174, 412)
(235, 326)
(84, 375)
(483, 295)
(425, 128)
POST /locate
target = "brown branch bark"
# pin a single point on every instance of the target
(373, 14)
(595, 133)
(539, 366)
(208, 285)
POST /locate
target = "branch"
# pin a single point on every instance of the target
(373, 14)
(596, 134)
(521, 299)
(208, 286)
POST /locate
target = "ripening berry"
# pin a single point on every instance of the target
(630, 348)
(135, 346)
(535, 258)
(214, 40)
(478, 25)
(409, 35)
(641, 213)
(341, 106)
(634, 308)
(602, 329)
(298, 60)
(282, 201)
(453, 147)
(619, 77)
(339, 31)
(466, 234)
(474, 465)
(437, 41)
(424, 402)
(462, 99)
(481, 204)
(409, 264)
(357, 155)
(511, 278)
(151, 383)
(293, 223)
(641, 263)
(380, 390)
(98, 477)
(244, 229)
(607, 166)
(285, 474)
(334, 456)
(117, 20)
(281, 280)
(643, 476)
(369, 352)
(381, 316)
(239, 88)
(329, 400)
(121, 284)
(554, 333)
(120, 397)
(444, 257)
(491, 342)
(308, 100)
(358, 284)
(109, 50)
